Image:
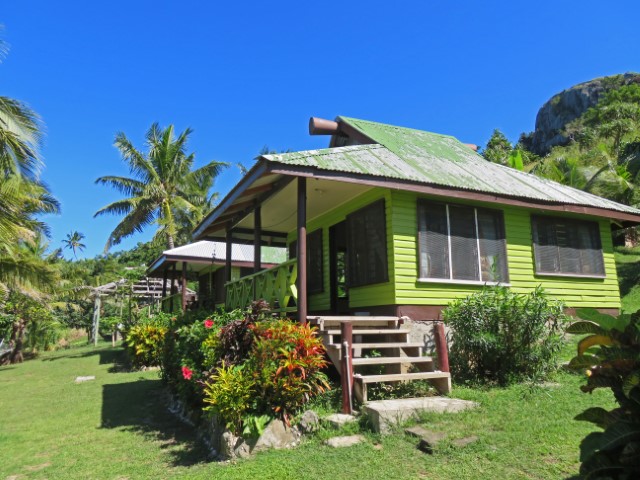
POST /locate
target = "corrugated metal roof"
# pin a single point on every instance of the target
(218, 251)
(430, 158)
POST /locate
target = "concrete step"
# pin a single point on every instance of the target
(390, 360)
(385, 415)
(397, 377)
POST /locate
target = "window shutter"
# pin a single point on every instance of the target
(493, 246)
(367, 245)
(567, 246)
(314, 262)
(433, 240)
(464, 243)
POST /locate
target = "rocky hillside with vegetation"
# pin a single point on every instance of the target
(568, 105)
(587, 137)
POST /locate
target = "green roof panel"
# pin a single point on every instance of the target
(430, 158)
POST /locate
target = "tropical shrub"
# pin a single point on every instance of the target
(193, 342)
(245, 368)
(27, 324)
(501, 337)
(287, 360)
(145, 343)
(610, 355)
(229, 393)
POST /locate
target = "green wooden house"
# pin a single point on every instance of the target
(396, 221)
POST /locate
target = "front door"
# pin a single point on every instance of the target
(338, 268)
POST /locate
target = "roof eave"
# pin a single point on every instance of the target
(259, 169)
(447, 192)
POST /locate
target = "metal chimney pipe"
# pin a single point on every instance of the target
(320, 126)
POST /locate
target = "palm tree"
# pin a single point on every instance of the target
(20, 138)
(163, 186)
(74, 241)
(21, 201)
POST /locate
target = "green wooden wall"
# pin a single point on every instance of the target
(574, 291)
(403, 287)
(359, 297)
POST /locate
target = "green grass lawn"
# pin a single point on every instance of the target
(117, 427)
(628, 266)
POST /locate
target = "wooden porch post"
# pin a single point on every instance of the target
(164, 283)
(302, 250)
(227, 262)
(173, 287)
(164, 289)
(184, 286)
(257, 238)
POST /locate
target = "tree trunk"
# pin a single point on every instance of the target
(170, 241)
(17, 339)
(631, 237)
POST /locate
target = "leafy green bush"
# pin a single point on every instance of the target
(145, 343)
(287, 360)
(501, 337)
(229, 393)
(245, 368)
(610, 354)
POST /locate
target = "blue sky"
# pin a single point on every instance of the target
(248, 74)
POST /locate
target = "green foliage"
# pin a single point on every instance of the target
(610, 354)
(145, 343)
(501, 337)
(108, 325)
(228, 394)
(287, 359)
(29, 324)
(280, 362)
(498, 149)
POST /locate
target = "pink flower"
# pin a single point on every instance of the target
(208, 323)
(186, 373)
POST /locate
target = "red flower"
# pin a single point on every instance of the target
(173, 319)
(186, 373)
(208, 323)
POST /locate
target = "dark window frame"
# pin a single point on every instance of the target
(480, 244)
(575, 223)
(366, 249)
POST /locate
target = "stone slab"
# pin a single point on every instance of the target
(337, 420)
(417, 431)
(387, 414)
(341, 442)
(85, 379)
(430, 440)
(463, 442)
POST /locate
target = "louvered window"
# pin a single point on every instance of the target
(457, 242)
(367, 246)
(565, 246)
(314, 260)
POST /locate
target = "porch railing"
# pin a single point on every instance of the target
(276, 285)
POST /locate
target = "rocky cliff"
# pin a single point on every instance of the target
(568, 105)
